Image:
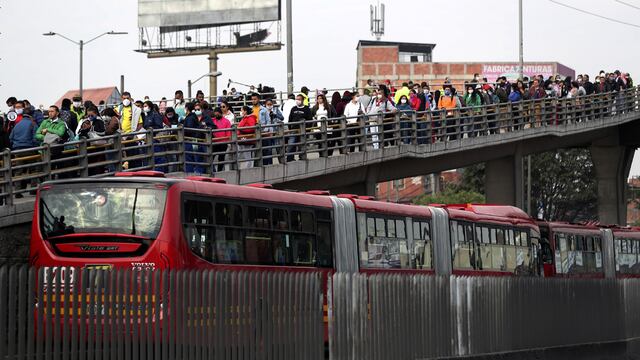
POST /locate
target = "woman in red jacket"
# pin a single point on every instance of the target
(221, 137)
(246, 137)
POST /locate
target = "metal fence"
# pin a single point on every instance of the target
(210, 151)
(96, 314)
(420, 316)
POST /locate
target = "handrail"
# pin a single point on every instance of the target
(204, 151)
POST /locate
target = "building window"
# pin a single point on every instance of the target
(414, 57)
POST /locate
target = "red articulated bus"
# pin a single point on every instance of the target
(626, 251)
(143, 220)
(572, 250)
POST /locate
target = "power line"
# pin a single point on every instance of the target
(594, 14)
(629, 5)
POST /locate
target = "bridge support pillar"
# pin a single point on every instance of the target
(504, 182)
(612, 165)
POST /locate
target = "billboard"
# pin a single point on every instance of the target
(185, 14)
(512, 71)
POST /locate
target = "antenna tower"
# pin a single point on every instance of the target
(377, 20)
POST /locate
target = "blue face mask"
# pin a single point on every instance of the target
(198, 112)
(447, 92)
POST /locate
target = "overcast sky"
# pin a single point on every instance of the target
(326, 33)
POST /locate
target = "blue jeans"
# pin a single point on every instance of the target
(191, 158)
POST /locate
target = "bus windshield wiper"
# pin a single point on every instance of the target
(133, 214)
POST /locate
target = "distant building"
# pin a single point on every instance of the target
(633, 206)
(110, 95)
(400, 62)
(406, 190)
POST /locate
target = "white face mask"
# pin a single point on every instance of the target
(77, 104)
(19, 111)
(146, 109)
(178, 101)
(126, 102)
(379, 96)
(299, 102)
(404, 101)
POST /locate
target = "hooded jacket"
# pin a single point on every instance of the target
(23, 134)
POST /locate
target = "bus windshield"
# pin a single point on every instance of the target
(102, 208)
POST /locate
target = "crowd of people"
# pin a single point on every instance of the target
(25, 127)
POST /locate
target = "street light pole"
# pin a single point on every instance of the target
(213, 74)
(81, 44)
(81, 49)
(289, 49)
(521, 41)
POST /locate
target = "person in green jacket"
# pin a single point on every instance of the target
(53, 125)
(473, 101)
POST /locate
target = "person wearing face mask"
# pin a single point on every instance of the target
(448, 103)
(68, 117)
(152, 120)
(298, 115)
(179, 105)
(130, 115)
(77, 107)
(404, 91)
(325, 112)
(221, 136)
(275, 116)
(246, 137)
(473, 100)
(352, 111)
(170, 118)
(191, 122)
(380, 107)
(404, 106)
(502, 90)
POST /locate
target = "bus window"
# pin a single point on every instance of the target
(302, 221)
(228, 214)
(257, 240)
(380, 228)
(325, 245)
(400, 229)
(280, 220)
(391, 228)
(198, 228)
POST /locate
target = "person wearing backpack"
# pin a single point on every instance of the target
(53, 131)
(153, 120)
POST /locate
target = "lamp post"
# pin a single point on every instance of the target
(82, 43)
(209, 74)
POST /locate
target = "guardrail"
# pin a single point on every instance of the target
(206, 151)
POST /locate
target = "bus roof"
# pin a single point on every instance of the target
(214, 189)
(493, 213)
(389, 208)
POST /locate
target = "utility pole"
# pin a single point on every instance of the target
(521, 41)
(81, 49)
(289, 49)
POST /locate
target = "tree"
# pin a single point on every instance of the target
(452, 194)
(563, 185)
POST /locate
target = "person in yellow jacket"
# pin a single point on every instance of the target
(304, 92)
(403, 91)
(130, 115)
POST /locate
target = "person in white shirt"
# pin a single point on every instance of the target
(287, 106)
(353, 109)
(227, 113)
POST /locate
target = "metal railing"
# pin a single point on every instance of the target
(206, 151)
(386, 316)
(72, 313)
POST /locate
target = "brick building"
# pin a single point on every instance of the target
(405, 190)
(633, 206)
(401, 62)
